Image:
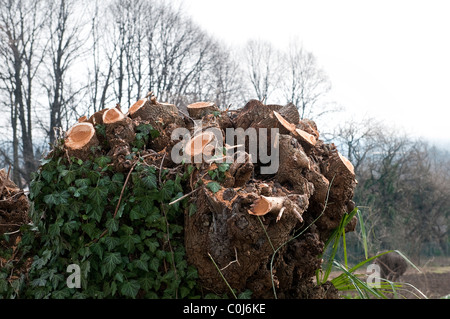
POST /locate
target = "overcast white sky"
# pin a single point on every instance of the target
(389, 59)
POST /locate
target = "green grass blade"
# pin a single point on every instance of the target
(363, 233)
(363, 289)
(334, 240)
(407, 260)
(223, 277)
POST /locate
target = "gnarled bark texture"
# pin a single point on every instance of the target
(240, 224)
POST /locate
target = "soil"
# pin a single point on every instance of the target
(431, 284)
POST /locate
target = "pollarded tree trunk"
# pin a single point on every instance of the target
(261, 232)
(236, 229)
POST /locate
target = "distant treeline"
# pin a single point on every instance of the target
(403, 190)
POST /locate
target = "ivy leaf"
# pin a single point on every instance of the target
(61, 294)
(51, 199)
(119, 277)
(154, 264)
(130, 288)
(54, 230)
(128, 241)
(223, 167)
(167, 190)
(135, 213)
(47, 175)
(141, 264)
(154, 133)
(111, 261)
(111, 242)
(112, 225)
(152, 244)
(35, 188)
(150, 181)
(69, 227)
(90, 230)
(97, 249)
(102, 161)
(247, 294)
(39, 282)
(184, 291)
(214, 187)
(98, 194)
(68, 176)
(146, 282)
(82, 182)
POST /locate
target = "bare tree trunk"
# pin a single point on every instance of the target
(64, 46)
(21, 24)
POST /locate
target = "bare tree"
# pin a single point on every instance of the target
(65, 47)
(21, 24)
(227, 86)
(402, 190)
(357, 139)
(305, 83)
(156, 48)
(263, 67)
(101, 61)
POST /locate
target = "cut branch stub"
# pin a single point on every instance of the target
(347, 163)
(112, 116)
(286, 127)
(137, 105)
(269, 204)
(340, 171)
(119, 128)
(241, 169)
(266, 205)
(305, 137)
(197, 144)
(80, 138)
(155, 113)
(293, 164)
(199, 109)
(97, 117)
(119, 134)
(290, 111)
(309, 126)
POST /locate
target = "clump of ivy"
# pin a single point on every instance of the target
(117, 227)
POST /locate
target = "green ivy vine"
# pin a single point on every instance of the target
(120, 230)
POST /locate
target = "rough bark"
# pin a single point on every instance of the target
(157, 114)
(253, 112)
(239, 226)
(119, 135)
(290, 112)
(199, 109)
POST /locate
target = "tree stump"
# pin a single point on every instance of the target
(233, 218)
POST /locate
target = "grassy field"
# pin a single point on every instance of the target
(433, 280)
